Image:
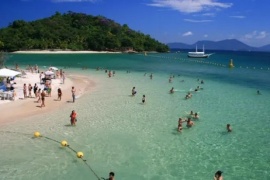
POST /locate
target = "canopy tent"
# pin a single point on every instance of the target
(53, 68)
(8, 73)
(49, 73)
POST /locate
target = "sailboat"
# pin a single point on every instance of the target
(198, 54)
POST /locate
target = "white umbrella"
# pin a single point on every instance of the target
(54, 68)
(8, 73)
(49, 73)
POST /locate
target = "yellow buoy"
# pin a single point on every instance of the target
(37, 134)
(64, 143)
(231, 64)
(79, 154)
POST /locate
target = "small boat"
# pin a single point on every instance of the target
(198, 54)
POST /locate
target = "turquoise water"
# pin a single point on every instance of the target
(118, 133)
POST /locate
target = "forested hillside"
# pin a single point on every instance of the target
(75, 31)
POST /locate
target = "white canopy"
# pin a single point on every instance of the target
(54, 68)
(49, 73)
(8, 73)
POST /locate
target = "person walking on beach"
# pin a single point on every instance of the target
(39, 95)
(143, 99)
(59, 94)
(24, 91)
(35, 90)
(43, 99)
(29, 91)
(40, 77)
(63, 77)
(73, 91)
(73, 118)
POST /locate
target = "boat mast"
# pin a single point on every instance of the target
(203, 48)
(196, 47)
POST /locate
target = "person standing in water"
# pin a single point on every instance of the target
(172, 90)
(73, 91)
(133, 92)
(229, 129)
(73, 118)
(143, 99)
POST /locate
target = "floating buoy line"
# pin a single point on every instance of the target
(230, 65)
(63, 143)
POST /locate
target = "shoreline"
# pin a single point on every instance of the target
(23, 108)
(64, 52)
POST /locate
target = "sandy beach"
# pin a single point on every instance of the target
(20, 108)
(63, 52)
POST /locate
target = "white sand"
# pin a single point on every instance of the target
(30, 78)
(61, 52)
(22, 108)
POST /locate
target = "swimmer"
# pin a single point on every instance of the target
(111, 176)
(229, 129)
(191, 113)
(172, 90)
(151, 76)
(218, 175)
(196, 116)
(190, 123)
(189, 95)
(170, 79)
(202, 82)
(258, 92)
(143, 99)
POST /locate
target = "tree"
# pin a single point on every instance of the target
(76, 31)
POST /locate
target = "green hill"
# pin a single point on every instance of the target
(75, 31)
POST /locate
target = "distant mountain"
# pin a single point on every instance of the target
(265, 48)
(226, 45)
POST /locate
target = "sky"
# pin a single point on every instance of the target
(186, 21)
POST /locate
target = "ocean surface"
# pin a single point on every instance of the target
(116, 132)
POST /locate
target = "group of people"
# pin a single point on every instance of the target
(189, 122)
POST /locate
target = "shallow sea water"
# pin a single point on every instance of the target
(116, 132)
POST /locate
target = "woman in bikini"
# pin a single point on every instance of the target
(43, 99)
(73, 117)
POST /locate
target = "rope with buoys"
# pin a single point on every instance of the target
(205, 62)
(64, 143)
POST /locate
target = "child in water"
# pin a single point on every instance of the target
(143, 99)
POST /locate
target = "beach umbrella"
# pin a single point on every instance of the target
(8, 73)
(49, 73)
(54, 68)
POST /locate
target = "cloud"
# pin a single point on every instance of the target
(209, 14)
(73, 0)
(256, 35)
(197, 21)
(189, 6)
(238, 17)
(189, 33)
